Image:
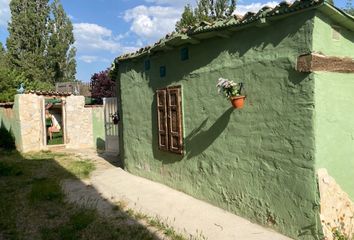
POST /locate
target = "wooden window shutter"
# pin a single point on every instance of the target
(175, 120)
(162, 119)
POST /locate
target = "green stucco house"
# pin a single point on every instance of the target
(285, 160)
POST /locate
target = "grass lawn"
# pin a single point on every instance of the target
(33, 206)
(57, 138)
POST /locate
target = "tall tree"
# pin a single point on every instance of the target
(61, 53)
(188, 18)
(28, 36)
(2, 55)
(70, 70)
(40, 41)
(349, 7)
(206, 10)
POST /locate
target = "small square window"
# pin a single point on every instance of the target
(184, 54)
(163, 71)
(147, 65)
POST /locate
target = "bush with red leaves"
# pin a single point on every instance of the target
(102, 85)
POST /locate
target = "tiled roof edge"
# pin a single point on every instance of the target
(49, 93)
(283, 8)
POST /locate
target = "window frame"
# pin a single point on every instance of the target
(170, 119)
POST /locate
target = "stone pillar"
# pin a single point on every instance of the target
(78, 123)
(31, 126)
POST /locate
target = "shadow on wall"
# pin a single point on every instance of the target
(7, 139)
(217, 47)
(195, 143)
(199, 140)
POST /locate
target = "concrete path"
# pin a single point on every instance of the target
(182, 212)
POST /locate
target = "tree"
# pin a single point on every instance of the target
(102, 85)
(188, 18)
(61, 53)
(2, 56)
(70, 70)
(28, 35)
(206, 10)
(10, 80)
(349, 7)
(40, 41)
(2, 51)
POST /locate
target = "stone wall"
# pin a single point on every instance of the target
(84, 126)
(79, 129)
(337, 210)
(30, 115)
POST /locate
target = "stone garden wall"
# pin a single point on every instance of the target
(84, 126)
(31, 122)
(79, 127)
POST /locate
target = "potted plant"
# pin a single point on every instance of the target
(115, 118)
(231, 91)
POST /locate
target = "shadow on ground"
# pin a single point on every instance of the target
(34, 206)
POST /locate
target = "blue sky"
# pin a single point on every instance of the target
(105, 29)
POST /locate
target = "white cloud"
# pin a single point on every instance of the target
(91, 59)
(253, 7)
(172, 2)
(91, 36)
(152, 22)
(4, 12)
(93, 40)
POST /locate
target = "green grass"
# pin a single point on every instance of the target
(57, 138)
(9, 169)
(33, 206)
(82, 168)
(45, 190)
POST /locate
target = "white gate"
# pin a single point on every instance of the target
(111, 129)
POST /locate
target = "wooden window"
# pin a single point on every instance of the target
(169, 119)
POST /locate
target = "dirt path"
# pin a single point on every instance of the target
(183, 212)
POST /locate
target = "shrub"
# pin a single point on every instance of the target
(10, 80)
(102, 85)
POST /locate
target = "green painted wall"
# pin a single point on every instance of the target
(10, 118)
(98, 127)
(334, 102)
(323, 41)
(257, 162)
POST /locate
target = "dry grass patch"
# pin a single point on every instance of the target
(32, 204)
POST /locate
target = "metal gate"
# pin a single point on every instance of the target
(111, 129)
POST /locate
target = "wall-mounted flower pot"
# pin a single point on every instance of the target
(238, 101)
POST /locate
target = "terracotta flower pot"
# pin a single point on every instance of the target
(238, 101)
